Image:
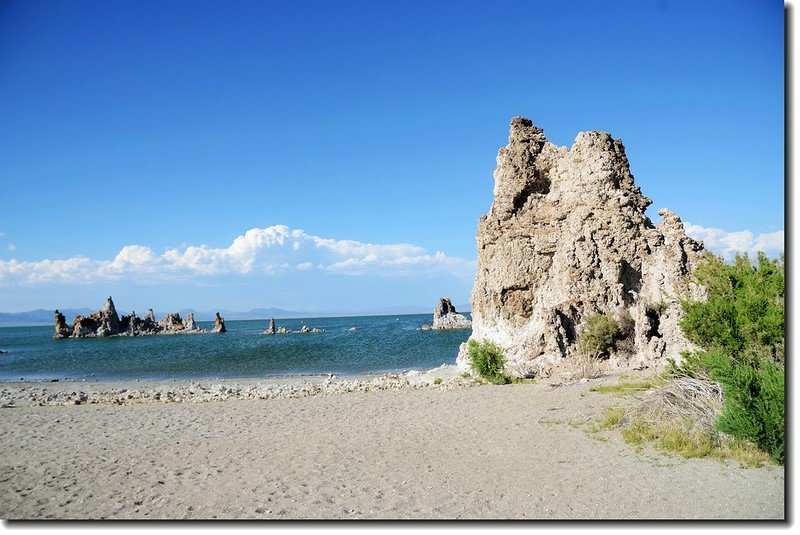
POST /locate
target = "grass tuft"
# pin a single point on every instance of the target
(678, 419)
(629, 387)
(692, 443)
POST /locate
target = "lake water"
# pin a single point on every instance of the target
(378, 344)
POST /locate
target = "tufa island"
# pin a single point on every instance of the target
(106, 322)
(283, 330)
(446, 317)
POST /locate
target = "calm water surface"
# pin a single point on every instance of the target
(378, 344)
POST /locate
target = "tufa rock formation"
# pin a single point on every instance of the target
(271, 327)
(190, 324)
(446, 317)
(62, 329)
(174, 323)
(445, 307)
(106, 322)
(283, 330)
(567, 237)
(219, 324)
(103, 322)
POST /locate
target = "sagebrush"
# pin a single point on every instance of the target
(600, 335)
(741, 328)
(487, 360)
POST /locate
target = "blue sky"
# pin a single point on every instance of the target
(139, 140)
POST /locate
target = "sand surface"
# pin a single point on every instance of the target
(481, 452)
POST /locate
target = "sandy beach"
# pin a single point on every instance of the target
(413, 450)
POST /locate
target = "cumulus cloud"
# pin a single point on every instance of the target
(728, 244)
(259, 251)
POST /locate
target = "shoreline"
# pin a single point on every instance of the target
(78, 392)
(91, 379)
(519, 451)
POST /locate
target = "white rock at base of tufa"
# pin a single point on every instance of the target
(567, 237)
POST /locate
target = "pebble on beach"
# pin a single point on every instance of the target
(195, 392)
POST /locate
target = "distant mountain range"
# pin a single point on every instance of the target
(38, 317)
(45, 317)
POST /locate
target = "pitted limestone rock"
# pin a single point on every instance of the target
(566, 237)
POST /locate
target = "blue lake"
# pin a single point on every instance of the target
(378, 344)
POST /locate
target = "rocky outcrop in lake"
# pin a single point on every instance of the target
(106, 322)
(62, 329)
(219, 324)
(445, 317)
(567, 237)
(189, 324)
(270, 327)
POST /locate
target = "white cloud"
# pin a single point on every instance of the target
(12, 247)
(728, 244)
(259, 251)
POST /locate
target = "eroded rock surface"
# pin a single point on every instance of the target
(567, 237)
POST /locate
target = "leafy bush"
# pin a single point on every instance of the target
(600, 335)
(742, 330)
(754, 403)
(487, 360)
(744, 313)
(625, 342)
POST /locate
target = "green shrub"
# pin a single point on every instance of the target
(744, 313)
(437, 381)
(625, 341)
(487, 360)
(691, 366)
(754, 401)
(741, 328)
(600, 335)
